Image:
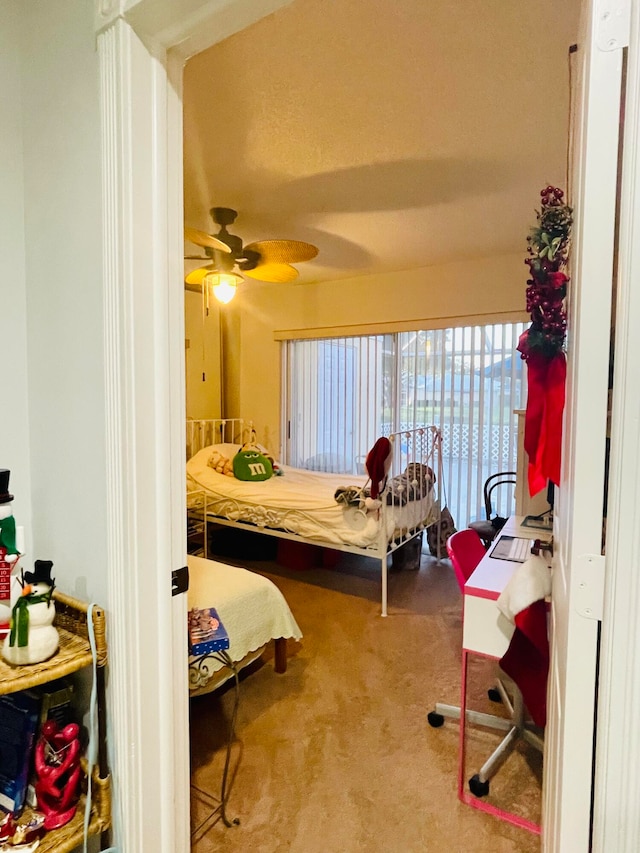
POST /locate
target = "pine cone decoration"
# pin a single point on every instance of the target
(556, 220)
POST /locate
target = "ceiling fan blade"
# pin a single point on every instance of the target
(202, 239)
(279, 273)
(283, 251)
(197, 276)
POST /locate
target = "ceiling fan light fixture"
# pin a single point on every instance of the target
(223, 284)
(264, 260)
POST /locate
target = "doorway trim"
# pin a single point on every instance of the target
(616, 785)
(142, 46)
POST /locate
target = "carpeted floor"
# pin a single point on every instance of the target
(336, 755)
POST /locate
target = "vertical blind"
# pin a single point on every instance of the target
(343, 393)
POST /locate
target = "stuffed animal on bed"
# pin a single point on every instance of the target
(253, 446)
(358, 497)
(351, 496)
(220, 464)
(252, 465)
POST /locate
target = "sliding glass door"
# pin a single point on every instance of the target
(342, 393)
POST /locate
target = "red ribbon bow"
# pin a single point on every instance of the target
(546, 376)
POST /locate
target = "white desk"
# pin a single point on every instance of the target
(487, 632)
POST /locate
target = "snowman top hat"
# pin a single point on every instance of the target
(41, 573)
(5, 497)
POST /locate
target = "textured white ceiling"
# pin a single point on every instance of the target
(392, 135)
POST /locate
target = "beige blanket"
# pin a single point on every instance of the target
(251, 607)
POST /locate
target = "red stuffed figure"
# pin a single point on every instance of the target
(58, 773)
(378, 463)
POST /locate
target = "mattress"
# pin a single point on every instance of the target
(301, 502)
(251, 607)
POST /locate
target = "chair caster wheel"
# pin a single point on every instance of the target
(435, 719)
(494, 694)
(478, 788)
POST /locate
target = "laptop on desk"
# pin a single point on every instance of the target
(514, 548)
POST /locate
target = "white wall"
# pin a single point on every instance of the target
(14, 423)
(62, 216)
(52, 429)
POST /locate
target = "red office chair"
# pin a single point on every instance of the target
(465, 550)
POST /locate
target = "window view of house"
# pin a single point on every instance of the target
(467, 381)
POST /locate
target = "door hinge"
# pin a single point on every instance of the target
(179, 580)
(588, 570)
(613, 25)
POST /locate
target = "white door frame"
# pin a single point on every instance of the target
(617, 782)
(142, 45)
(578, 574)
(145, 538)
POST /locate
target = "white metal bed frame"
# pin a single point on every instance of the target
(420, 445)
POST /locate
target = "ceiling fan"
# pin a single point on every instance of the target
(265, 260)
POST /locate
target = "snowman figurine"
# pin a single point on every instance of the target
(32, 638)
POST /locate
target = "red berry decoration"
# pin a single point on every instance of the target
(547, 250)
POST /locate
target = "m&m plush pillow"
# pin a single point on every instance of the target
(251, 464)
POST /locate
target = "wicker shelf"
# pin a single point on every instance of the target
(73, 655)
(70, 836)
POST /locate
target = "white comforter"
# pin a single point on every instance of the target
(300, 502)
(251, 607)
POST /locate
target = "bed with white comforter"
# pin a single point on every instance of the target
(301, 504)
(251, 608)
(299, 501)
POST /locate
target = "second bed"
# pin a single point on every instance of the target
(301, 505)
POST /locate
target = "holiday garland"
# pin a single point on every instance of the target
(542, 344)
(548, 250)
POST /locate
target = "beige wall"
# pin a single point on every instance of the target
(202, 358)
(488, 288)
